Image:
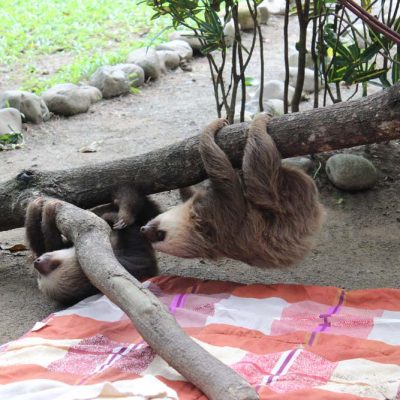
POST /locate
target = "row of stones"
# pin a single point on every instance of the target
(108, 81)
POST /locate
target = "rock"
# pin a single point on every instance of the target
(245, 19)
(168, 59)
(148, 60)
(188, 37)
(274, 7)
(134, 73)
(274, 89)
(229, 33)
(247, 116)
(118, 79)
(32, 107)
(274, 107)
(303, 163)
(264, 12)
(67, 99)
(308, 78)
(10, 121)
(351, 172)
(294, 59)
(92, 92)
(180, 46)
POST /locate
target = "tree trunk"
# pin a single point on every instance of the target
(90, 235)
(372, 119)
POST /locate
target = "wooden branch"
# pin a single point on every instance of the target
(90, 235)
(372, 119)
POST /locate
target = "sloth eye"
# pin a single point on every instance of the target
(160, 236)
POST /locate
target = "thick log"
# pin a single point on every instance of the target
(372, 119)
(157, 326)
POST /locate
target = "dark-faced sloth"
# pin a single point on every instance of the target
(266, 216)
(60, 276)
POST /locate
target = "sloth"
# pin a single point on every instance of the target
(60, 276)
(266, 216)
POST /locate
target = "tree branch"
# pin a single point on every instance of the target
(372, 119)
(90, 235)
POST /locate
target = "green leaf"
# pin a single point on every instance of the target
(11, 138)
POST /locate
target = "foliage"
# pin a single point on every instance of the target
(10, 141)
(85, 34)
(208, 21)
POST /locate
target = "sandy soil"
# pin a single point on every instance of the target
(358, 247)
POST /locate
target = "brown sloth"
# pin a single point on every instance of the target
(60, 276)
(266, 216)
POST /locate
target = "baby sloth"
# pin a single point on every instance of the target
(266, 217)
(60, 276)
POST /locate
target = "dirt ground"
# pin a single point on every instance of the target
(358, 247)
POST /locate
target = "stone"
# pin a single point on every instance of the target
(263, 10)
(308, 78)
(92, 92)
(32, 107)
(134, 73)
(294, 58)
(274, 107)
(67, 99)
(303, 163)
(169, 59)
(148, 60)
(274, 7)
(229, 33)
(188, 37)
(118, 79)
(351, 172)
(245, 19)
(180, 46)
(274, 89)
(10, 121)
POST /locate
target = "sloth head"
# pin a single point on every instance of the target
(180, 230)
(60, 276)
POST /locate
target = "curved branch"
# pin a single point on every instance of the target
(90, 235)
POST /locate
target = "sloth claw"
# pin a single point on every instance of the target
(120, 224)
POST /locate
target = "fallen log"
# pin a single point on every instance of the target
(372, 119)
(90, 235)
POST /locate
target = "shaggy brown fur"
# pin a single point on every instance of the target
(267, 217)
(60, 276)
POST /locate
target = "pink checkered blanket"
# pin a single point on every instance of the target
(289, 341)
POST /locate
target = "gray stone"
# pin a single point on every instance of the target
(67, 99)
(188, 37)
(262, 8)
(229, 33)
(182, 47)
(92, 92)
(245, 19)
(148, 60)
(272, 106)
(303, 163)
(308, 85)
(32, 107)
(169, 59)
(10, 121)
(133, 72)
(118, 79)
(294, 58)
(351, 172)
(274, 89)
(275, 7)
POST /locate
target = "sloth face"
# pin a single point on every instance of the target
(175, 232)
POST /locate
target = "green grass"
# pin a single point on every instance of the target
(92, 32)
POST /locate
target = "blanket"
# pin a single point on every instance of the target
(288, 341)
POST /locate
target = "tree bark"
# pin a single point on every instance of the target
(372, 119)
(90, 235)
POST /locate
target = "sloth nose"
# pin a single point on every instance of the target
(152, 234)
(43, 265)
